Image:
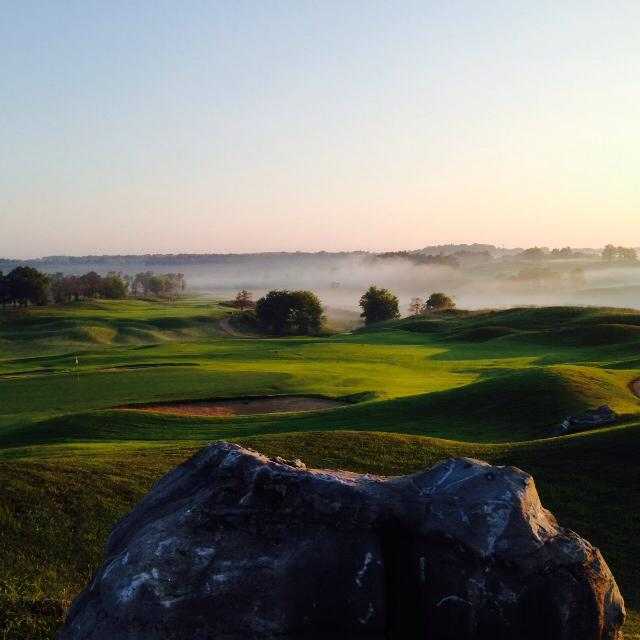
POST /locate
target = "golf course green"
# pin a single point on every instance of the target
(493, 385)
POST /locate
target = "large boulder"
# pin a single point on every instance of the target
(232, 545)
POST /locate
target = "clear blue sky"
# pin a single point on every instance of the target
(238, 126)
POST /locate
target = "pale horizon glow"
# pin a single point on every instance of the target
(198, 127)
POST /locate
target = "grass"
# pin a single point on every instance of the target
(485, 384)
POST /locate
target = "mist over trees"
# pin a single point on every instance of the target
(416, 306)
(486, 275)
(148, 283)
(619, 254)
(435, 302)
(439, 302)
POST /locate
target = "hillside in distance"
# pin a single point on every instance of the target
(477, 275)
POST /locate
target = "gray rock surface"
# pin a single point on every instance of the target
(231, 545)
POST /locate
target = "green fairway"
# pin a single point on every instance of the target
(492, 385)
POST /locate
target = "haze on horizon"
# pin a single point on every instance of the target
(244, 126)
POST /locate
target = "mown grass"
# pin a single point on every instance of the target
(71, 465)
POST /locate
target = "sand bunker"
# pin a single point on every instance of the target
(241, 406)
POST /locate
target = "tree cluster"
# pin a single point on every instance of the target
(167, 285)
(24, 286)
(289, 313)
(27, 286)
(67, 288)
(435, 302)
(566, 253)
(619, 254)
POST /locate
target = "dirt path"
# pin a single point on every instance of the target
(225, 326)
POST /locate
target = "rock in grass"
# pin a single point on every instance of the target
(231, 545)
(591, 419)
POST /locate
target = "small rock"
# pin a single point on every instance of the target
(591, 419)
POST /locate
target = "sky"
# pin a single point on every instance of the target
(236, 126)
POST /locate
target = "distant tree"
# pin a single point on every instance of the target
(113, 287)
(140, 284)
(619, 254)
(306, 317)
(534, 253)
(58, 288)
(472, 257)
(167, 285)
(91, 284)
(439, 302)
(289, 312)
(74, 288)
(244, 300)
(419, 258)
(27, 285)
(628, 254)
(416, 306)
(609, 253)
(564, 253)
(378, 305)
(272, 312)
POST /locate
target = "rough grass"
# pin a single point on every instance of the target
(83, 325)
(58, 503)
(487, 384)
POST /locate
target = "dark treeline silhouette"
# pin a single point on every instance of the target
(25, 286)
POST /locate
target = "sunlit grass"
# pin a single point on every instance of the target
(71, 465)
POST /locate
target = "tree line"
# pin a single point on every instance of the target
(282, 312)
(619, 254)
(25, 286)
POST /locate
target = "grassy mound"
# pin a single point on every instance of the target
(84, 325)
(502, 406)
(579, 326)
(601, 334)
(480, 334)
(58, 504)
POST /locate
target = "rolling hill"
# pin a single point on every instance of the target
(492, 385)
